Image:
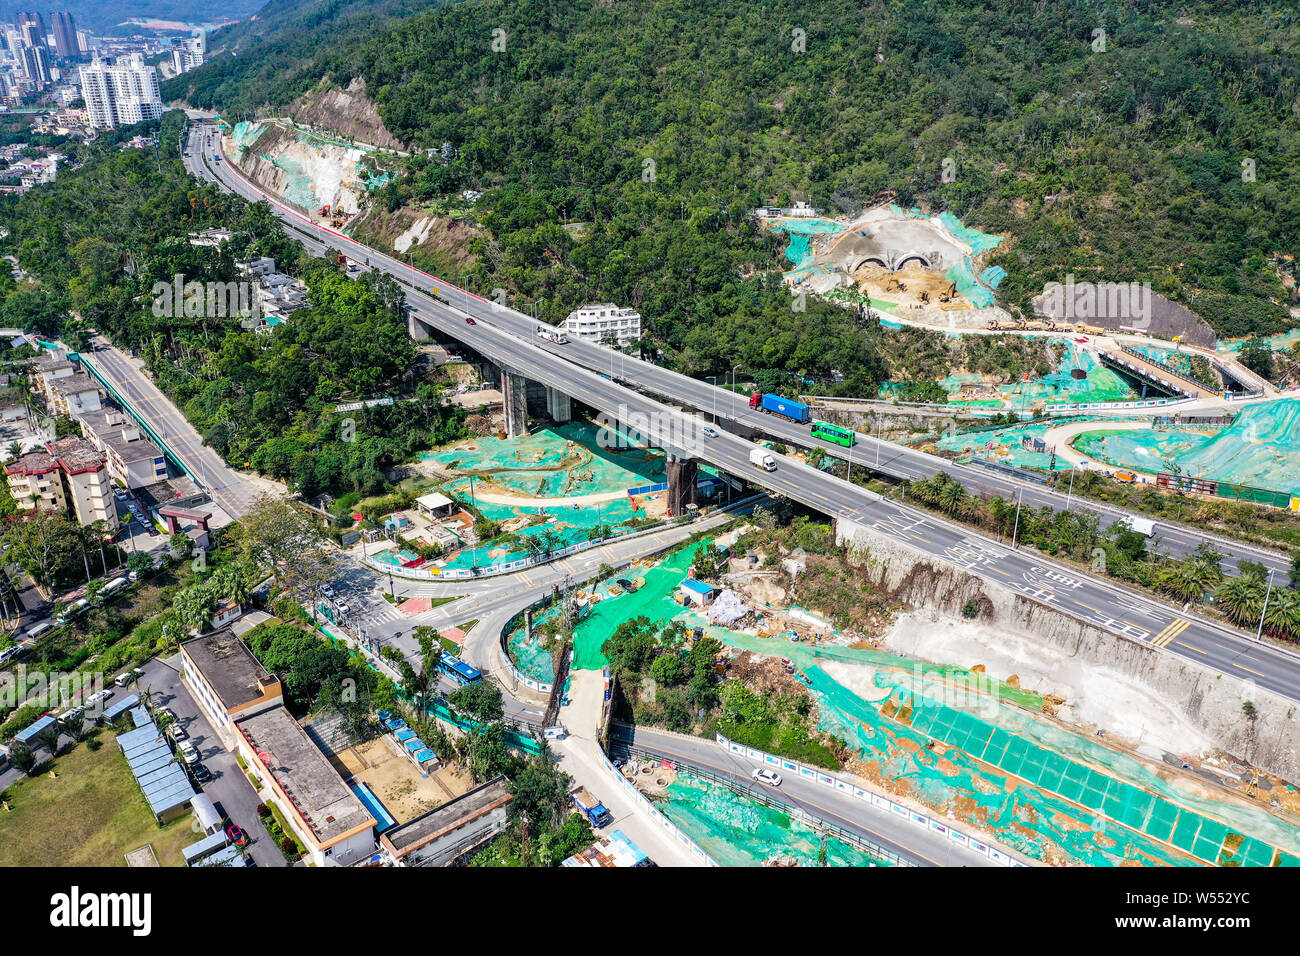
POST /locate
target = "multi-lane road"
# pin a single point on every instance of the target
(592, 375)
(232, 491)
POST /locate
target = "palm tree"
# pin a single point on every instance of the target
(1283, 613)
(1240, 598)
(23, 757)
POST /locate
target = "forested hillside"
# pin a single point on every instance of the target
(1123, 163)
(98, 239)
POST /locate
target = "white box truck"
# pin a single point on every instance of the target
(762, 459)
(1143, 526)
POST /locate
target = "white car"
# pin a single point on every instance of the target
(769, 777)
(326, 590)
(343, 607)
(710, 431)
(189, 753)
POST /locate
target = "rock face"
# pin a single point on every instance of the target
(304, 168)
(1209, 700)
(348, 111)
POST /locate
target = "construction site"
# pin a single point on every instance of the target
(1057, 761)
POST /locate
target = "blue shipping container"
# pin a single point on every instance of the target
(787, 407)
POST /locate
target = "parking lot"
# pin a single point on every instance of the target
(228, 787)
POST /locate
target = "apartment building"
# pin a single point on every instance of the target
(120, 94)
(133, 460)
(74, 395)
(69, 477)
(600, 323)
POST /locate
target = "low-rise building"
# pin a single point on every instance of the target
(326, 816)
(69, 476)
(228, 682)
(135, 461)
(74, 395)
(448, 833)
(603, 322)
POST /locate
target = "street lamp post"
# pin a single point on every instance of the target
(878, 423)
(1070, 490)
(733, 391)
(714, 380)
(1262, 611)
(1016, 529)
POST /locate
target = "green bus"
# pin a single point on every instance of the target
(834, 433)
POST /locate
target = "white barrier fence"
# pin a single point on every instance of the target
(877, 800)
(1149, 403)
(656, 816)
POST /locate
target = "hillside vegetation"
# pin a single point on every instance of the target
(661, 123)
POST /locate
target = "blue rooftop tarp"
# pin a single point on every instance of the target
(425, 756)
(405, 734)
(415, 744)
(699, 587)
(396, 723)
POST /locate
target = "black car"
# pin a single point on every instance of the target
(626, 584)
(201, 773)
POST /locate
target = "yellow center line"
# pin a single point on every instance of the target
(1190, 648)
(1005, 574)
(1245, 668)
(1088, 606)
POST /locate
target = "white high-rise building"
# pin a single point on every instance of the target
(121, 94)
(190, 55)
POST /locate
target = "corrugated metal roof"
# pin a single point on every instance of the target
(210, 844)
(126, 703)
(699, 587)
(161, 777)
(25, 735)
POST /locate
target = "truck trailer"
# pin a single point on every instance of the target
(591, 808)
(785, 407)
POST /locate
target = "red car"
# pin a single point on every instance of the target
(236, 835)
(469, 321)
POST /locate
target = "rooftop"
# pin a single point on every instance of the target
(74, 384)
(615, 850)
(230, 668)
(699, 587)
(448, 818)
(324, 802)
(32, 463)
(134, 450)
(76, 454)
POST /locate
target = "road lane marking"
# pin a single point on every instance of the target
(1170, 632)
(1191, 648)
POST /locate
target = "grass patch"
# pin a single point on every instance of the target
(88, 812)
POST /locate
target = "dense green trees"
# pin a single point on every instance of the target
(659, 129)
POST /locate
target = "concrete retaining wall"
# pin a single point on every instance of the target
(1209, 700)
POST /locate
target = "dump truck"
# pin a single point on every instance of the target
(591, 808)
(762, 459)
(785, 407)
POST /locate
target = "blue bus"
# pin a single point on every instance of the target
(460, 672)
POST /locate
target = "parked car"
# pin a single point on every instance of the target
(236, 835)
(343, 607)
(189, 753)
(177, 732)
(769, 777)
(326, 590)
(627, 584)
(201, 773)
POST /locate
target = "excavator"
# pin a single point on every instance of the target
(893, 285)
(947, 294)
(323, 211)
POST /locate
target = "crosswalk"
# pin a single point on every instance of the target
(380, 611)
(1165, 637)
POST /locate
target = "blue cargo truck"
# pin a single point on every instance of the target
(785, 407)
(591, 808)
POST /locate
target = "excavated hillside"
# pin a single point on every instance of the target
(347, 110)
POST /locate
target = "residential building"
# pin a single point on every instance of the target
(602, 323)
(50, 366)
(36, 483)
(228, 682)
(70, 476)
(190, 54)
(121, 94)
(613, 850)
(74, 395)
(65, 34)
(86, 483)
(135, 461)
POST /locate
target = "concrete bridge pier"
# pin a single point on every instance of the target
(559, 406)
(683, 477)
(417, 330)
(514, 390)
